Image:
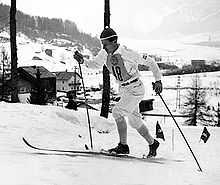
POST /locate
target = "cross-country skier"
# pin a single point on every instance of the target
(123, 64)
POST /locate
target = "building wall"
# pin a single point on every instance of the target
(25, 86)
(50, 85)
(68, 85)
(197, 63)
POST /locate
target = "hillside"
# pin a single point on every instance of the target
(209, 43)
(32, 53)
(48, 29)
(189, 17)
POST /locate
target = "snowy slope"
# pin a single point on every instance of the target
(61, 59)
(55, 127)
(178, 52)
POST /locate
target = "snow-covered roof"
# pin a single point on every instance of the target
(64, 75)
(32, 70)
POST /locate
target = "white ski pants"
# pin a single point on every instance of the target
(128, 105)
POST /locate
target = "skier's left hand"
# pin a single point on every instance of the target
(158, 87)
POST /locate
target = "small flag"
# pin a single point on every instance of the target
(205, 135)
(87, 148)
(159, 132)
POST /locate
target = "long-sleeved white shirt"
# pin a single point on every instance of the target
(123, 64)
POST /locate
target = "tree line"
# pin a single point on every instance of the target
(43, 27)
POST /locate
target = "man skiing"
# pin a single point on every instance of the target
(123, 64)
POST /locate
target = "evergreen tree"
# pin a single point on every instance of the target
(195, 104)
(36, 26)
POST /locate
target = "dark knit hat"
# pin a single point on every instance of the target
(108, 33)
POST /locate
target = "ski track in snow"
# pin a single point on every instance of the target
(44, 127)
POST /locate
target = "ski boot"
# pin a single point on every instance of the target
(153, 149)
(120, 149)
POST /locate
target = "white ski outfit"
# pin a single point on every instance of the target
(123, 64)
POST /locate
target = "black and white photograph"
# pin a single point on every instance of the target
(109, 92)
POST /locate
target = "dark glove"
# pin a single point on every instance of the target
(158, 87)
(79, 57)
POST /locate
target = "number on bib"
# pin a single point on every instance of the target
(117, 73)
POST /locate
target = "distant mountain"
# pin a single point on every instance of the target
(189, 17)
(42, 27)
(215, 44)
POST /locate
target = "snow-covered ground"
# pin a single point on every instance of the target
(179, 52)
(60, 128)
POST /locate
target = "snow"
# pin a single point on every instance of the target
(60, 128)
(178, 52)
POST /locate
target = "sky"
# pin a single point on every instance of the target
(130, 18)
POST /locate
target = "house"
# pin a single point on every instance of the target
(68, 81)
(198, 63)
(27, 80)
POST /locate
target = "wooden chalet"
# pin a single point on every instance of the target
(68, 81)
(27, 80)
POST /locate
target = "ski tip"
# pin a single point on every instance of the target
(28, 144)
(25, 141)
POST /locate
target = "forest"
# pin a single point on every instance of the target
(43, 27)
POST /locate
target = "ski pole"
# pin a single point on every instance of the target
(200, 169)
(86, 102)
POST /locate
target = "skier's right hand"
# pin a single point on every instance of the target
(79, 57)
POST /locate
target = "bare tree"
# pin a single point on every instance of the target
(14, 58)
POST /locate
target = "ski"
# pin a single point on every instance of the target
(103, 153)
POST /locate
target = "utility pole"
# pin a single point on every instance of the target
(3, 71)
(178, 93)
(75, 85)
(107, 14)
(218, 115)
(14, 58)
(106, 75)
